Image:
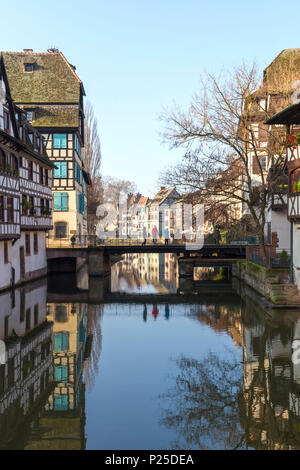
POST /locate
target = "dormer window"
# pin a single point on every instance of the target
(29, 115)
(6, 121)
(28, 67)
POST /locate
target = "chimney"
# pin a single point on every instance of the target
(28, 51)
(162, 188)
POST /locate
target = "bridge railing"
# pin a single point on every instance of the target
(271, 259)
(82, 241)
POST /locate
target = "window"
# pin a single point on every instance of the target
(24, 205)
(28, 319)
(59, 141)
(41, 171)
(6, 121)
(81, 203)
(61, 342)
(11, 371)
(36, 315)
(264, 163)
(29, 117)
(2, 160)
(46, 178)
(77, 146)
(22, 305)
(30, 171)
(61, 313)
(78, 173)
(27, 243)
(14, 163)
(61, 170)
(5, 252)
(60, 201)
(60, 230)
(28, 67)
(35, 243)
(60, 402)
(31, 204)
(10, 209)
(2, 379)
(295, 181)
(61, 373)
(1, 208)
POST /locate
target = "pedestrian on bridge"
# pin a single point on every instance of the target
(167, 236)
(155, 311)
(154, 235)
(144, 236)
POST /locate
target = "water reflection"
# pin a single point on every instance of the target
(146, 273)
(206, 370)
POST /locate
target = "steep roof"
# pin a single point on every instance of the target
(53, 79)
(162, 195)
(56, 116)
(288, 116)
(282, 71)
(143, 201)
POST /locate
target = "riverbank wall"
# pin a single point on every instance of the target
(273, 284)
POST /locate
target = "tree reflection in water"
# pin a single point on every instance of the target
(204, 403)
(219, 403)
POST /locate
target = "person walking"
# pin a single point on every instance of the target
(155, 311)
(167, 236)
(73, 240)
(154, 235)
(145, 313)
(167, 311)
(144, 236)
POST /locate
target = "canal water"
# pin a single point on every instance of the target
(155, 364)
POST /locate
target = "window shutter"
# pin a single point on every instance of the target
(60, 402)
(57, 201)
(58, 342)
(63, 169)
(60, 141)
(61, 373)
(61, 341)
(65, 341)
(64, 202)
(63, 141)
(56, 141)
(81, 202)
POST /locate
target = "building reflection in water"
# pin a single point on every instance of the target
(248, 399)
(42, 391)
(145, 273)
(221, 403)
(26, 378)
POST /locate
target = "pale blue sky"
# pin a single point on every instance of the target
(136, 56)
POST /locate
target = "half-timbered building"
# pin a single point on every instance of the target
(47, 88)
(290, 117)
(25, 194)
(274, 94)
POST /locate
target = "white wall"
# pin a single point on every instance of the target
(282, 227)
(296, 253)
(33, 262)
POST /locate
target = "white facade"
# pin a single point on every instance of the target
(25, 195)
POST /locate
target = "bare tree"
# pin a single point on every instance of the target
(115, 187)
(92, 164)
(114, 191)
(92, 151)
(222, 135)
